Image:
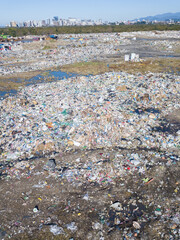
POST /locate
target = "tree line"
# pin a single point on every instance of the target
(24, 31)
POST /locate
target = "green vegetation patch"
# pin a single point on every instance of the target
(86, 68)
(170, 65)
(23, 31)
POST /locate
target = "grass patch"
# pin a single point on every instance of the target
(16, 80)
(167, 65)
(86, 68)
(170, 65)
(7, 85)
(21, 75)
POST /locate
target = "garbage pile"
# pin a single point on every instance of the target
(70, 48)
(165, 45)
(113, 109)
(5, 47)
(152, 34)
(91, 157)
(71, 51)
(56, 58)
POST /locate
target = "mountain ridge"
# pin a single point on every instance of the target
(161, 17)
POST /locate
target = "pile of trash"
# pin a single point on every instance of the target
(113, 109)
(69, 52)
(91, 157)
(71, 48)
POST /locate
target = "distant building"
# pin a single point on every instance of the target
(60, 22)
(20, 24)
(24, 24)
(29, 23)
(55, 23)
(48, 22)
(13, 24)
(43, 23)
(39, 24)
(55, 18)
(170, 21)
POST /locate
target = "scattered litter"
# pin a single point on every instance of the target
(56, 230)
(72, 226)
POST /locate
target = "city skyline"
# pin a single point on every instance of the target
(55, 21)
(114, 10)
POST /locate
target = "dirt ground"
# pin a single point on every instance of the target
(37, 197)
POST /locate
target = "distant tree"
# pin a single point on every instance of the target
(33, 31)
(12, 32)
(23, 31)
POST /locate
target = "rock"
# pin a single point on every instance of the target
(45, 147)
(40, 147)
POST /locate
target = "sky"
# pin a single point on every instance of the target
(107, 10)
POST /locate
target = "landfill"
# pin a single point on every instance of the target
(92, 157)
(33, 55)
(114, 109)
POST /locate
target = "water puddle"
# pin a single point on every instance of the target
(48, 76)
(7, 93)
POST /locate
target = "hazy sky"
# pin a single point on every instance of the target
(110, 10)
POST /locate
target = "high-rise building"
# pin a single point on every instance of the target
(48, 21)
(60, 22)
(13, 24)
(55, 18)
(43, 23)
(24, 24)
(34, 23)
